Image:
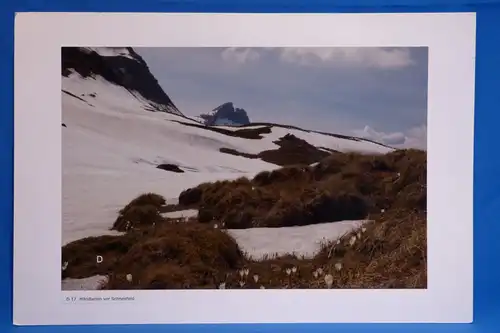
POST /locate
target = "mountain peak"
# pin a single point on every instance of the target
(226, 114)
(224, 105)
(121, 66)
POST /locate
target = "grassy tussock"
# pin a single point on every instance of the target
(143, 210)
(340, 187)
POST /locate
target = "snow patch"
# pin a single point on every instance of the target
(110, 51)
(89, 283)
(181, 213)
(301, 240)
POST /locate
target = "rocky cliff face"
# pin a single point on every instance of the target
(226, 114)
(121, 66)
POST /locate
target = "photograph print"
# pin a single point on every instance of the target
(244, 168)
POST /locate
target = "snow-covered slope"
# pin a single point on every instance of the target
(317, 139)
(121, 66)
(111, 148)
(112, 145)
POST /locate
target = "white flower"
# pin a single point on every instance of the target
(338, 266)
(382, 210)
(363, 230)
(294, 269)
(242, 272)
(320, 271)
(65, 265)
(242, 283)
(129, 277)
(352, 240)
(262, 287)
(288, 271)
(329, 280)
(247, 271)
(315, 274)
(338, 241)
(222, 285)
(255, 278)
(215, 226)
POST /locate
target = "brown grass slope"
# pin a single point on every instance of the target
(340, 187)
(389, 252)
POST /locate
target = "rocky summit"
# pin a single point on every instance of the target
(226, 114)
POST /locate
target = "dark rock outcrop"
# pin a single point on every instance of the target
(170, 167)
(291, 151)
(226, 114)
(128, 70)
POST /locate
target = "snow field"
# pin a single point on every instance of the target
(181, 213)
(304, 241)
(110, 152)
(89, 283)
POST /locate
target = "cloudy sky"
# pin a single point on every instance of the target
(377, 93)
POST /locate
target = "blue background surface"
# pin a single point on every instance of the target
(486, 160)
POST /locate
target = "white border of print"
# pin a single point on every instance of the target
(38, 299)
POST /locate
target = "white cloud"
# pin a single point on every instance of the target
(240, 55)
(417, 137)
(413, 138)
(396, 138)
(372, 57)
(368, 57)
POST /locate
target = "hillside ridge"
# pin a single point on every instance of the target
(126, 68)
